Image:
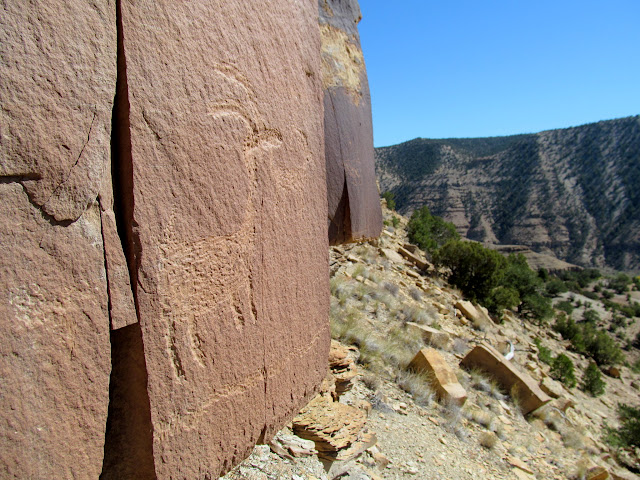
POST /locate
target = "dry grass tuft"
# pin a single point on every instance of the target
(371, 381)
(416, 294)
(488, 440)
(392, 288)
(460, 346)
(572, 438)
(483, 383)
(453, 416)
(417, 385)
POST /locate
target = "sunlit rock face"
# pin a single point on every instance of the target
(163, 222)
(354, 212)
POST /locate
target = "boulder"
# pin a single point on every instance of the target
(613, 371)
(478, 315)
(342, 366)
(392, 255)
(597, 473)
(414, 258)
(353, 197)
(58, 81)
(489, 360)
(442, 377)
(552, 388)
(563, 403)
(222, 182)
(437, 338)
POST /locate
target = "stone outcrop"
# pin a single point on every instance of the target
(342, 367)
(354, 210)
(489, 360)
(443, 378)
(165, 251)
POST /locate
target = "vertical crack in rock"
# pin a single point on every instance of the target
(340, 223)
(128, 448)
(340, 218)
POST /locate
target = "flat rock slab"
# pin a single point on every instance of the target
(414, 258)
(478, 315)
(489, 360)
(443, 378)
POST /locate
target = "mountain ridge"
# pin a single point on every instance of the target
(573, 192)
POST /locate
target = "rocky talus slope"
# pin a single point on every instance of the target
(573, 192)
(387, 305)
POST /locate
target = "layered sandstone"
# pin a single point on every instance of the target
(354, 211)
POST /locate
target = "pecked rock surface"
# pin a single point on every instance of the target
(221, 143)
(57, 94)
(164, 251)
(354, 211)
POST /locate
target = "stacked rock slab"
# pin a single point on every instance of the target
(354, 209)
(56, 93)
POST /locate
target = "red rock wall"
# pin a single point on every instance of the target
(56, 92)
(163, 224)
(354, 209)
(227, 205)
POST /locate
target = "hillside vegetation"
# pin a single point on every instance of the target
(574, 192)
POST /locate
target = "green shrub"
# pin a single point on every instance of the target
(502, 297)
(390, 198)
(544, 354)
(591, 316)
(566, 327)
(395, 221)
(562, 369)
(518, 275)
(565, 306)
(537, 306)
(592, 382)
(587, 340)
(602, 348)
(620, 283)
(607, 294)
(555, 286)
(475, 270)
(628, 435)
(428, 231)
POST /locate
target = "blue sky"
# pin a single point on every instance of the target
(471, 68)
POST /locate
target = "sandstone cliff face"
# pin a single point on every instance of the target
(164, 251)
(57, 92)
(354, 211)
(572, 192)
